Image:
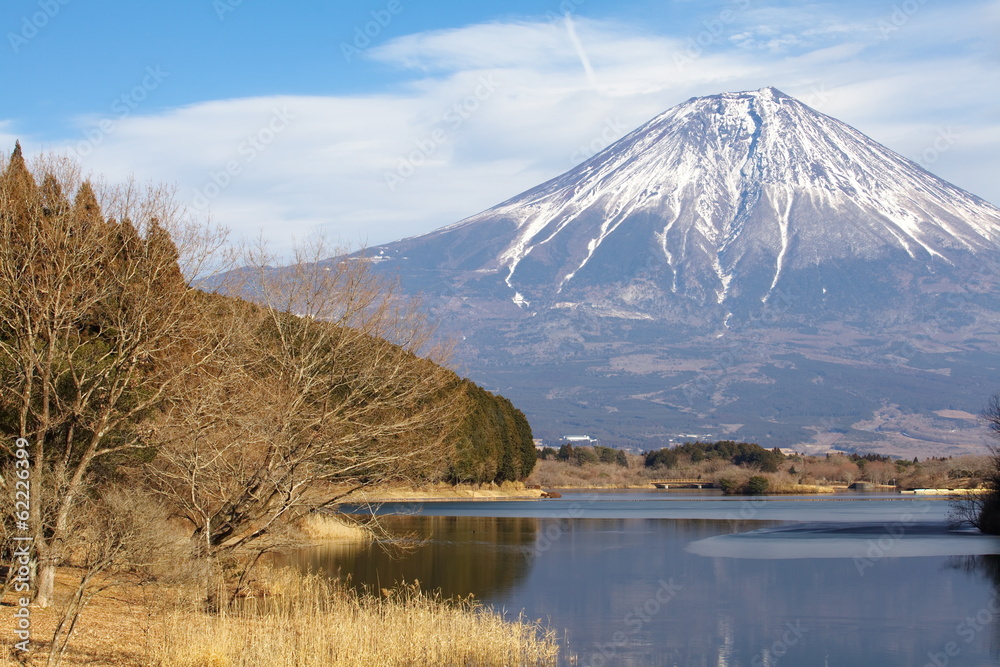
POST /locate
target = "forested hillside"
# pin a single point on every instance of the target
(493, 441)
(120, 377)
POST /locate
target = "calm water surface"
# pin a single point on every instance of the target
(671, 578)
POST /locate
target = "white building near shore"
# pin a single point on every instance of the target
(580, 440)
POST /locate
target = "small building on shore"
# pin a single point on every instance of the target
(580, 440)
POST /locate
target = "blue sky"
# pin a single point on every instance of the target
(277, 119)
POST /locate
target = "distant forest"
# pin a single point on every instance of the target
(738, 453)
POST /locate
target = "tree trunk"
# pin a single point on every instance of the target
(46, 582)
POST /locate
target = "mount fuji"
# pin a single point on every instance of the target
(741, 266)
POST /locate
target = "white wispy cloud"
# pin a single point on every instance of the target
(488, 110)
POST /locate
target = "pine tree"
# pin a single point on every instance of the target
(86, 209)
(53, 200)
(18, 194)
(162, 252)
(621, 459)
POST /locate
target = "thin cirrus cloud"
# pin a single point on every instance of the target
(488, 110)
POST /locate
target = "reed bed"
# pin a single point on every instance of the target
(801, 489)
(446, 491)
(327, 527)
(309, 621)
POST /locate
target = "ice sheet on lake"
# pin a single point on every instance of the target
(856, 540)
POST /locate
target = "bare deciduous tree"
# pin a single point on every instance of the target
(881, 472)
(120, 531)
(243, 414)
(991, 414)
(96, 329)
(982, 510)
(317, 392)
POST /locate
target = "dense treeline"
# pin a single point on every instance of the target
(584, 455)
(870, 458)
(130, 394)
(493, 443)
(798, 474)
(738, 453)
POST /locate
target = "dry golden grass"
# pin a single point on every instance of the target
(800, 489)
(118, 627)
(562, 475)
(312, 622)
(445, 491)
(294, 620)
(328, 528)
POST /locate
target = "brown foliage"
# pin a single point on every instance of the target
(109, 357)
(94, 334)
(304, 390)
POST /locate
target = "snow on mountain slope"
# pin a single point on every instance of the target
(740, 267)
(713, 191)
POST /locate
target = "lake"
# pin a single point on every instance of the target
(677, 578)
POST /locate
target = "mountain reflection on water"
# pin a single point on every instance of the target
(867, 583)
(459, 555)
(986, 619)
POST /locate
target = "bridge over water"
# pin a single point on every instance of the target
(681, 483)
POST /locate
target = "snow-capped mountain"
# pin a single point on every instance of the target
(743, 222)
(718, 198)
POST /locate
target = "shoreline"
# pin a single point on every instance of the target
(439, 493)
(447, 494)
(136, 622)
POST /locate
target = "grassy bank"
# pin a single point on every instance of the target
(803, 489)
(309, 621)
(795, 474)
(566, 475)
(444, 491)
(289, 620)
